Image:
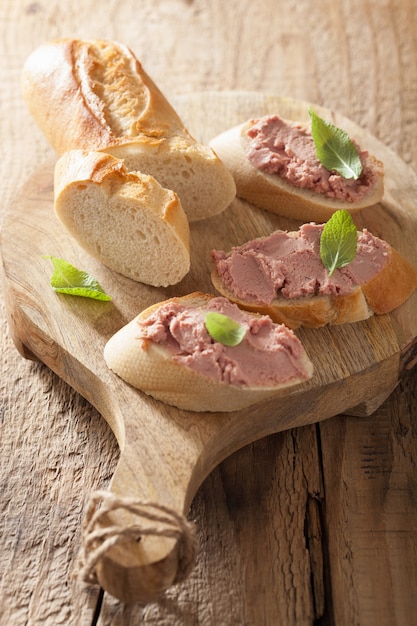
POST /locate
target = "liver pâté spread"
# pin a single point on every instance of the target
(289, 264)
(287, 149)
(269, 353)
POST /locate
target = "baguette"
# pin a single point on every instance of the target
(95, 95)
(162, 368)
(273, 192)
(126, 220)
(387, 283)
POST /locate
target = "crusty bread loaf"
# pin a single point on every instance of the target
(149, 366)
(275, 194)
(383, 293)
(95, 95)
(127, 220)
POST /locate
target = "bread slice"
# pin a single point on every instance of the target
(126, 220)
(274, 193)
(95, 95)
(310, 311)
(150, 367)
(384, 292)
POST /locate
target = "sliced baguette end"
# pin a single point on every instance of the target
(126, 220)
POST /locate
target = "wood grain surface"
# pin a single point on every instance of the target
(315, 525)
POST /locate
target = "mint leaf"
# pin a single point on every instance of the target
(335, 150)
(69, 280)
(338, 241)
(224, 330)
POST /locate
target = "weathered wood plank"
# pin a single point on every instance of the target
(356, 57)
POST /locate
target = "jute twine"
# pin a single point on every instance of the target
(156, 520)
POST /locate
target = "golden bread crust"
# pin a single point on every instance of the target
(76, 86)
(392, 286)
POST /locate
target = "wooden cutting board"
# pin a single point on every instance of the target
(166, 453)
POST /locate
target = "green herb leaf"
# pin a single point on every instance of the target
(338, 241)
(69, 280)
(335, 150)
(224, 330)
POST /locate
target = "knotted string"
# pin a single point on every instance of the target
(98, 538)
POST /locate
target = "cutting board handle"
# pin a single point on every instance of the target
(135, 549)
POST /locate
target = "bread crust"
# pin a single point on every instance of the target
(386, 291)
(271, 192)
(149, 367)
(60, 82)
(392, 286)
(124, 219)
(95, 95)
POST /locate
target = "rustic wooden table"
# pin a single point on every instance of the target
(316, 525)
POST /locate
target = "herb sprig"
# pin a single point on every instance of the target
(67, 279)
(334, 148)
(223, 329)
(338, 241)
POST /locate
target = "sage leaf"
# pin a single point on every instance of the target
(67, 279)
(338, 241)
(334, 148)
(223, 329)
